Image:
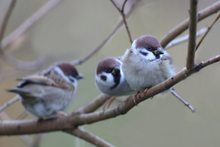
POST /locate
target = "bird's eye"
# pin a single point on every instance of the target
(143, 53)
(150, 49)
(109, 70)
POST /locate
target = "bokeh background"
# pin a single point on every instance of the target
(75, 27)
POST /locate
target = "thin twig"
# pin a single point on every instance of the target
(123, 6)
(21, 30)
(121, 11)
(9, 103)
(185, 38)
(176, 31)
(102, 44)
(208, 30)
(184, 101)
(192, 34)
(29, 22)
(26, 65)
(5, 21)
(89, 137)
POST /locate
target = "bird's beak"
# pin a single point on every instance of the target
(113, 72)
(79, 77)
(159, 51)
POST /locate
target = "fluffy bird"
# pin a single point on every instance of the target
(110, 79)
(48, 93)
(147, 64)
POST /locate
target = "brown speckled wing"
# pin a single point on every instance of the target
(58, 79)
(36, 79)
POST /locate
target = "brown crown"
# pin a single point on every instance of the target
(146, 41)
(68, 69)
(107, 63)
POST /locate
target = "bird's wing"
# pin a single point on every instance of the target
(59, 79)
(36, 79)
(30, 81)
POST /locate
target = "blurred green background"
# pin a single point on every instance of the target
(75, 27)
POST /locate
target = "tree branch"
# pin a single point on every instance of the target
(192, 34)
(17, 127)
(21, 30)
(208, 30)
(5, 21)
(176, 31)
(123, 108)
(24, 138)
(185, 38)
(9, 103)
(121, 11)
(29, 22)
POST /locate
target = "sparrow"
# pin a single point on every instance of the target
(48, 93)
(147, 64)
(110, 79)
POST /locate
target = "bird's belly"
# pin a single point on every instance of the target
(48, 101)
(141, 77)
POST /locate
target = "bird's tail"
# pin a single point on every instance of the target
(19, 91)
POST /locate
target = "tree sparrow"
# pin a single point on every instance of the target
(147, 64)
(49, 92)
(110, 79)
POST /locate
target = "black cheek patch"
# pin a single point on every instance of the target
(117, 77)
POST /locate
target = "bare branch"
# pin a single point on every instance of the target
(17, 127)
(89, 137)
(29, 22)
(185, 38)
(5, 21)
(24, 138)
(182, 100)
(121, 11)
(176, 31)
(123, 6)
(192, 34)
(26, 65)
(208, 30)
(9, 103)
(116, 6)
(101, 45)
(21, 30)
